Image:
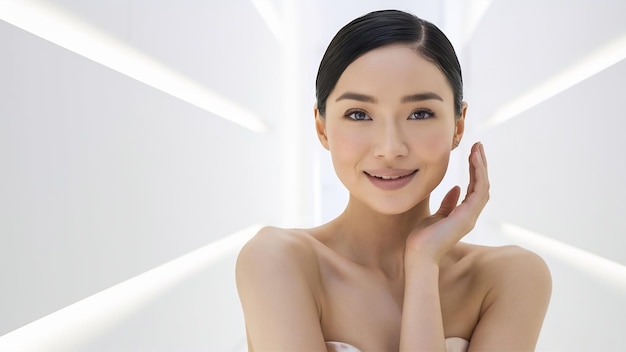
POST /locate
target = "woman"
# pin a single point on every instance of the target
(386, 275)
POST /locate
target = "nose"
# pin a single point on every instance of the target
(390, 141)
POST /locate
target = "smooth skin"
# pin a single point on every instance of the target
(387, 274)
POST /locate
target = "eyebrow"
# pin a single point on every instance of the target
(407, 99)
(421, 97)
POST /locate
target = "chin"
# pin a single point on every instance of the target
(395, 207)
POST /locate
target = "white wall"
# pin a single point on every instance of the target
(104, 177)
(556, 167)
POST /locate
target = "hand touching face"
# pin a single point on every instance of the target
(434, 236)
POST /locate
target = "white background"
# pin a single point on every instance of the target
(104, 177)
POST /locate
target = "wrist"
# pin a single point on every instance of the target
(421, 263)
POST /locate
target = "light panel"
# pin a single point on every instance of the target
(271, 17)
(475, 12)
(72, 326)
(601, 59)
(60, 28)
(602, 268)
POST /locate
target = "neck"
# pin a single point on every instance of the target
(373, 239)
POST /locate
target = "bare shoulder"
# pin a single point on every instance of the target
(511, 264)
(272, 238)
(516, 285)
(505, 266)
(273, 251)
(277, 278)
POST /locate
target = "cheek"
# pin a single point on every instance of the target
(346, 151)
(345, 144)
(435, 145)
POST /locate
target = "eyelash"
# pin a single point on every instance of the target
(430, 114)
(350, 115)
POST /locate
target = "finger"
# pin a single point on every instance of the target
(472, 172)
(481, 179)
(482, 153)
(481, 173)
(483, 158)
(449, 202)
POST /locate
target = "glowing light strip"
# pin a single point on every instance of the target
(596, 62)
(475, 13)
(73, 325)
(64, 30)
(612, 272)
(269, 14)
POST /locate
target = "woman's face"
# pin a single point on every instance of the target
(390, 127)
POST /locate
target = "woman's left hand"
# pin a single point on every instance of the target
(437, 234)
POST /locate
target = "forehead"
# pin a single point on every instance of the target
(393, 70)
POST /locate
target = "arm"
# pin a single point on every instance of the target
(514, 309)
(422, 322)
(518, 286)
(518, 281)
(275, 281)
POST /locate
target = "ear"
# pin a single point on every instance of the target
(320, 127)
(459, 126)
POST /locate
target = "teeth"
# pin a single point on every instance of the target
(389, 177)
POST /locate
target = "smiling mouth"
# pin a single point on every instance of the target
(390, 180)
(391, 177)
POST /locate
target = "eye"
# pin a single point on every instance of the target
(357, 115)
(421, 115)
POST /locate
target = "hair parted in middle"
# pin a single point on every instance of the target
(385, 27)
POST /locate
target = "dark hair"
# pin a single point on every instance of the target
(380, 28)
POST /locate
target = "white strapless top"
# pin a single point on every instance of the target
(453, 344)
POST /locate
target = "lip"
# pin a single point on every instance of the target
(400, 178)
